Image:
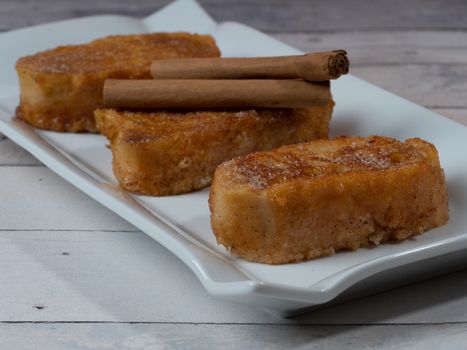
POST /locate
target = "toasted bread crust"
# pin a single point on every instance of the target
(165, 153)
(61, 87)
(309, 200)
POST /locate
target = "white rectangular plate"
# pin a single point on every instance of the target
(181, 223)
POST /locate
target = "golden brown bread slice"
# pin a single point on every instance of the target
(164, 153)
(61, 88)
(304, 201)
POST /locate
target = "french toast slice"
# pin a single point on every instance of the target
(308, 200)
(60, 88)
(166, 153)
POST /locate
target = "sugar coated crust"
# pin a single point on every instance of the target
(165, 153)
(60, 88)
(304, 201)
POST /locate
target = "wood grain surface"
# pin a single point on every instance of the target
(62, 281)
(273, 16)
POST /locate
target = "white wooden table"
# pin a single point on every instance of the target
(75, 276)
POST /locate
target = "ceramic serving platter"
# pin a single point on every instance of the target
(181, 223)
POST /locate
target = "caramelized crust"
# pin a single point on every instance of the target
(164, 153)
(304, 201)
(61, 88)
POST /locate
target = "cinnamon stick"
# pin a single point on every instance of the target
(208, 94)
(319, 66)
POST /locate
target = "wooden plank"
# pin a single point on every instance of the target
(431, 85)
(190, 336)
(12, 154)
(104, 276)
(267, 15)
(341, 15)
(439, 300)
(127, 277)
(35, 198)
(374, 47)
(457, 114)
